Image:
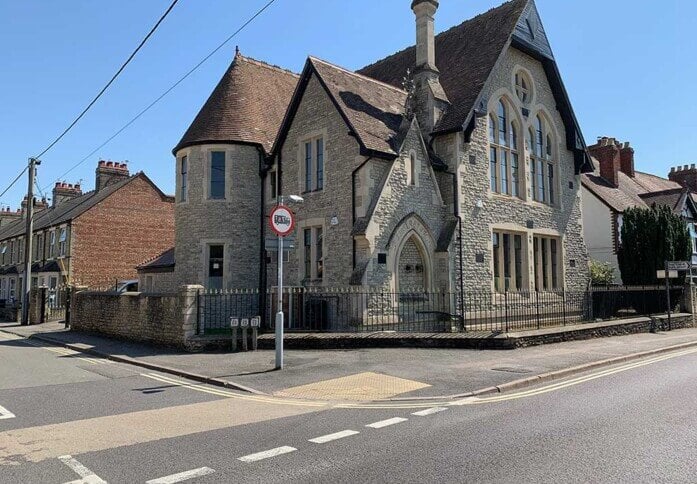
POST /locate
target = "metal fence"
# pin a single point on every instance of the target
(368, 310)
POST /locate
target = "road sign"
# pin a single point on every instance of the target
(271, 243)
(234, 322)
(256, 322)
(678, 265)
(244, 323)
(282, 220)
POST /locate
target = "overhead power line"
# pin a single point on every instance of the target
(123, 66)
(14, 181)
(170, 89)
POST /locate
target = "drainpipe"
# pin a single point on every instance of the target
(263, 171)
(353, 205)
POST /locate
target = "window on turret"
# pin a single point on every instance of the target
(217, 176)
(184, 179)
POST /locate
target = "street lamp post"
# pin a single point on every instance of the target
(282, 222)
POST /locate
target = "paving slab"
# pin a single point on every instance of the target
(439, 371)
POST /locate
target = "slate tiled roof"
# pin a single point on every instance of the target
(67, 210)
(465, 56)
(164, 261)
(630, 191)
(247, 105)
(375, 110)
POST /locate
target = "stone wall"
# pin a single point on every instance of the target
(232, 222)
(523, 216)
(168, 320)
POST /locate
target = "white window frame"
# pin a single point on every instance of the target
(63, 241)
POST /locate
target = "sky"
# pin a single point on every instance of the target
(628, 65)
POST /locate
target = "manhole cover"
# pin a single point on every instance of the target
(511, 369)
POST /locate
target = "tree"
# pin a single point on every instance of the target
(649, 237)
(602, 273)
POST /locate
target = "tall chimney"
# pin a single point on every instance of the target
(627, 159)
(685, 176)
(8, 216)
(431, 101)
(110, 172)
(607, 152)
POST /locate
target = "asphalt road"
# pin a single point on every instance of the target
(632, 423)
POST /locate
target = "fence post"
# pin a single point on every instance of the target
(189, 302)
(505, 305)
(68, 297)
(42, 316)
(563, 308)
(537, 307)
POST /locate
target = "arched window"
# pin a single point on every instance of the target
(503, 151)
(542, 163)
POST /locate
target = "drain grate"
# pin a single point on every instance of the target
(511, 369)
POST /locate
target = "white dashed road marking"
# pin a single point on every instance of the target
(182, 476)
(88, 477)
(336, 436)
(386, 423)
(5, 413)
(267, 454)
(429, 411)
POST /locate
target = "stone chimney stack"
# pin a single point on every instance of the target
(431, 101)
(110, 172)
(607, 151)
(685, 176)
(627, 159)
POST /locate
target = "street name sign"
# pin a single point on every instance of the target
(678, 265)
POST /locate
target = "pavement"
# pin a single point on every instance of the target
(372, 373)
(107, 422)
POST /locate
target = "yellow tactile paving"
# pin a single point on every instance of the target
(361, 386)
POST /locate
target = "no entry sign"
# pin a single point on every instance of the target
(282, 220)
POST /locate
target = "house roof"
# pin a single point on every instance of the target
(70, 209)
(630, 192)
(247, 106)
(465, 56)
(678, 199)
(160, 263)
(372, 110)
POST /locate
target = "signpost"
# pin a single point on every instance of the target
(282, 222)
(670, 271)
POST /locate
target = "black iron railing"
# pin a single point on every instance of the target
(368, 310)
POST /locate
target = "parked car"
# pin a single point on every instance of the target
(127, 286)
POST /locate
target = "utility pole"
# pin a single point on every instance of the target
(33, 162)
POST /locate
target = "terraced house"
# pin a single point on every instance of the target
(452, 165)
(92, 238)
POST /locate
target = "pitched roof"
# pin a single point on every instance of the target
(246, 106)
(465, 56)
(374, 109)
(630, 192)
(69, 209)
(676, 199)
(163, 261)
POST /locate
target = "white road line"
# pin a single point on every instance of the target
(267, 454)
(88, 477)
(336, 436)
(5, 413)
(182, 476)
(386, 423)
(429, 411)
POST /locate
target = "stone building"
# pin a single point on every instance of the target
(452, 165)
(93, 238)
(616, 186)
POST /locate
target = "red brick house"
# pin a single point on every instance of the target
(91, 239)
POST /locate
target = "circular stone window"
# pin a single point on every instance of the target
(523, 87)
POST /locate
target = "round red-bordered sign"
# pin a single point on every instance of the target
(282, 220)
